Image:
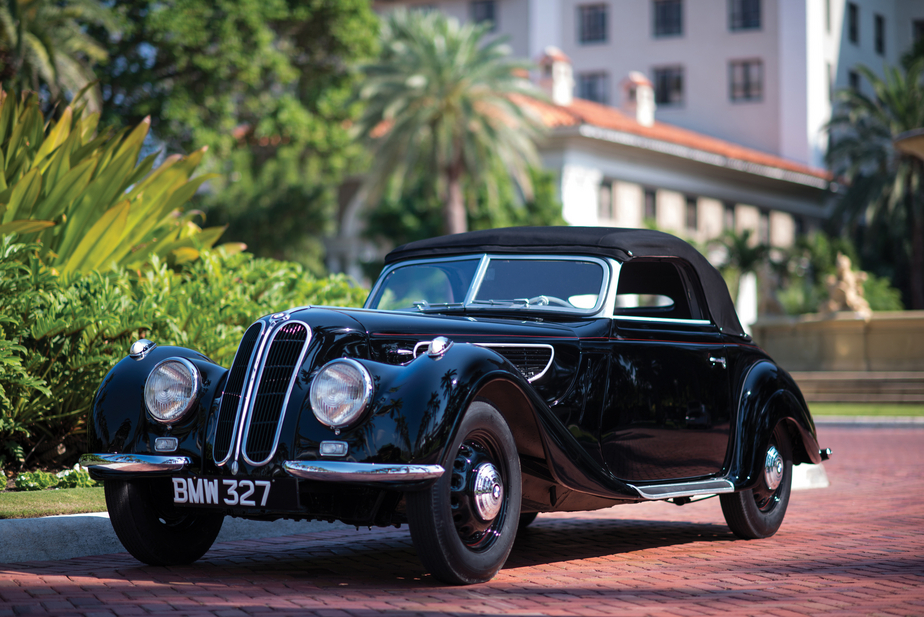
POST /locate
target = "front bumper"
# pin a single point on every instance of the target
(325, 471)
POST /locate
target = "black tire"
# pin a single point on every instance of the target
(152, 529)
(527, 519)
(758, 512)
(454, 541)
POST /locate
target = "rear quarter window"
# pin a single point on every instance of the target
(659, 288)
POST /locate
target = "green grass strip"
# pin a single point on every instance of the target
(31, 504)
(865, 409)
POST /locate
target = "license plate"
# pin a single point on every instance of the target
(273, 494)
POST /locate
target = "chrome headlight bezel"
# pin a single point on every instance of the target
(354, 375)
(187, 400)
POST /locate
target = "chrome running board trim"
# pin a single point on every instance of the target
(342, 471)
(134, 463)
(684, 489)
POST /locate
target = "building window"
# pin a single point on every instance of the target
(483, 13)
(828, 16)
(853, 23)
(763, 228)
(668, 17)
(729, 219)
(593, 87)
(917, 30)
(746, 79)
(744, 14)
(651, 205)
(853, 78)
(592, 23)
(880, 35)
(668, 84)
(692, 214)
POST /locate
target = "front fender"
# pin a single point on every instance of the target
(119, 422)
(414, 410)
(417, 409)
(768, 397)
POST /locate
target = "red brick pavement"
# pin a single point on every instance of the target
(856, 548)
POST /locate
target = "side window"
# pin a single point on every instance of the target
(658, 288)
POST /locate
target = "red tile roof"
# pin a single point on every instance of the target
(587, 113)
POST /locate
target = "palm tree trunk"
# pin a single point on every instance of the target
(916, 211)
(454, 220)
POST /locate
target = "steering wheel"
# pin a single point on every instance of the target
(547, 300)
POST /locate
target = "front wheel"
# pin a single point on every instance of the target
(464, 525)
(152, 529)
(758, 512)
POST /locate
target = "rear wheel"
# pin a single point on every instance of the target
(154, 530)
(464, 525)
(758, 512)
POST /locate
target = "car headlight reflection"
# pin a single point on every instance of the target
(340, 392)
(171, 389)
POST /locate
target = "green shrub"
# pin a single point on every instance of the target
(76, 477)
(59, 337)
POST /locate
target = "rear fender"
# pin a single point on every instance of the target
(769, 397)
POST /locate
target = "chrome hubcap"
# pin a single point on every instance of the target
(488, 492)
(773, 468)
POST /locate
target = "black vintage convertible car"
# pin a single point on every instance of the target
(490, 376)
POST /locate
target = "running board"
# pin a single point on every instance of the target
(684, 489)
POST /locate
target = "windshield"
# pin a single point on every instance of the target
(418, 286)
(551, 283)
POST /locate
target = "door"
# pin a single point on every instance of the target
(667, 410)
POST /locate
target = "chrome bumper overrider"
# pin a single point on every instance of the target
(134, 463)
(339, 471)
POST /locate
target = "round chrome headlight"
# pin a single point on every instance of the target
(171, 389)
(340, 392)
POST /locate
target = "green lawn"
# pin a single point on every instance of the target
(865, 409)
(31, 504)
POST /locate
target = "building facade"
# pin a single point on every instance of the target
(760, 73)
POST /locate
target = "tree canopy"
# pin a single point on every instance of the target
(442, 106)
(884, 189)
(266, 85)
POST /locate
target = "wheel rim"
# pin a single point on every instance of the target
(477, 493)
(767, 492)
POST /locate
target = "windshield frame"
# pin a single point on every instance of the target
(609, 266)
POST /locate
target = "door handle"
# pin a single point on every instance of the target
(715, 360)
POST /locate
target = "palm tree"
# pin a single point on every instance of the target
(440, 103)
(742, 256)
(884, 185)
(44, 44)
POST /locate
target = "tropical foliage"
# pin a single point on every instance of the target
(443, 107)
(884, 188)
(86, 198)
(59, 337)
(44, 45)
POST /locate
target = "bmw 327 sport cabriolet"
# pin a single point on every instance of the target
(490, 376)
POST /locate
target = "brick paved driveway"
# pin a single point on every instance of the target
(856, 548)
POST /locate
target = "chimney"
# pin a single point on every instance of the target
(638, 98)
(556, 75)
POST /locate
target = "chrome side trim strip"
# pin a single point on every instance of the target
(691, 322)
(685, 489)
(342, 471)
(134, 463)
(285, 402)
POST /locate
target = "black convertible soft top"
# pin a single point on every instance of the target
(621, 244)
